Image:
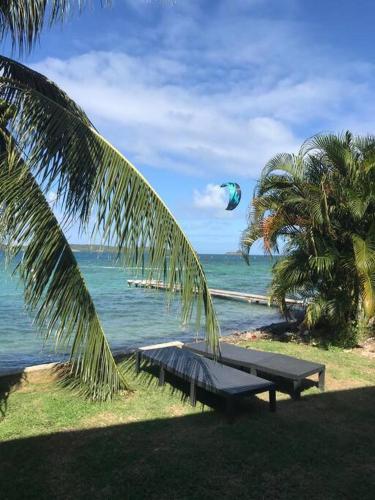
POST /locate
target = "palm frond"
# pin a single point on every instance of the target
(23, 20)
(40, 121)
(315, 311)
(358, 203)
(95, 178)
(322, 264)
(55, 290)
(248, 237)
(290, 165)
(364, 253)
(131, 216)
(15, 71)
(334, 150)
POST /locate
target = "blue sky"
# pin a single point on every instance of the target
(200, 92)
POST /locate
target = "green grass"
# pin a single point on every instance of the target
(154, 445)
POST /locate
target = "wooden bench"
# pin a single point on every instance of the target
(279, 368)
(207, 374)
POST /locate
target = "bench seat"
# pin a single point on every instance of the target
(207, 374)
(277, 367)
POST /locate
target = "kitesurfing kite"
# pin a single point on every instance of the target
(234, 191)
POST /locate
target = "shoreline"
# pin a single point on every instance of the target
(367, 348)
(119, 353)
(266, 332)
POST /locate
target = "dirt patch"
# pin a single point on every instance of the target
(41, 386)
(238, 337)
(22, 381)
(106, 419)
(367, 348)
(177, 410)
(333, 384)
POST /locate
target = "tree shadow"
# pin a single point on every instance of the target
(8, 384)
(320, 447)
(148, 377)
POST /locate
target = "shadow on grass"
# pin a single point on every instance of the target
(321, 447)
(8, 384)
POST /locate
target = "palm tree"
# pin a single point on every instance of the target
(320, 204)
(24, 20)
(47, 141)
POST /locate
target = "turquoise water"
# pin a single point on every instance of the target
(132, 316)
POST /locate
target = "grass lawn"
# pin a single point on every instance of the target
(154, 445)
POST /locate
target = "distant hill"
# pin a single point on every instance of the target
(76, 247)
(92, 248)
(82, 248)
(100, 248)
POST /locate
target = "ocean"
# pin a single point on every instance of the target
(132, 316)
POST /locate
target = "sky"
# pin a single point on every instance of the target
(200, 92)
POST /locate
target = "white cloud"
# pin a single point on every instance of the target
(147, 107)
(218, 101)
(212, 198)
(169, 125)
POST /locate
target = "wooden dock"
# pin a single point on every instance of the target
(250, 298)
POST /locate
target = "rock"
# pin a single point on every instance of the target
(281, 328)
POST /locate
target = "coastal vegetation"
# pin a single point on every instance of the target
(153, 445)
(47, 143)
(318, 208)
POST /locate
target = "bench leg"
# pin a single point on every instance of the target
(296, 395)
(193, 394)
(137, 362)
(272, 399)
(322, 377)
(161, 376)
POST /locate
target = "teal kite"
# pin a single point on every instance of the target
(234, 191)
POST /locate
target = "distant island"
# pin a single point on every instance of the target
(111, 249)
(93, 248)
(79, 248)
(101, 248)
(76, 247)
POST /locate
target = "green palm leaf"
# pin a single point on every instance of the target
(23, 20)
(364, 253)
(44, 133)
(92, 177)
(15, 71)
(131, 216)
(54, 287)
